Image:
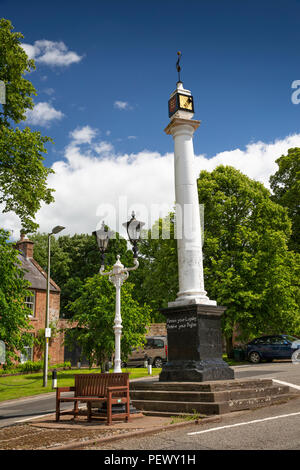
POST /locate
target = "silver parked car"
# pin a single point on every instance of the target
(156, 348)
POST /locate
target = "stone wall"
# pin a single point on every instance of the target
(157, 329)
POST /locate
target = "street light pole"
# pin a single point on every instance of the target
(55, 230)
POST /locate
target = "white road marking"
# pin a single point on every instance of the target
(297, 387)
(243, 424)
(33, 417)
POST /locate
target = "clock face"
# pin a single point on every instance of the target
(186, 102)
(172, 105)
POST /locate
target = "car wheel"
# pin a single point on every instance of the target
(254, 357)
(158, 363)
(296, 356)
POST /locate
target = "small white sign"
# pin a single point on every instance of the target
(2, 92)
(47, 332)
(2, 352)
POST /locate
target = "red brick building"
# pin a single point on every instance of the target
(37, 303)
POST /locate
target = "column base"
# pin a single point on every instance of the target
(196, 371)
(194, 344)
(181, 301)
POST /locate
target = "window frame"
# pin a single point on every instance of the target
(28, 303)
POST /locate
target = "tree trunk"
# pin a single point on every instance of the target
(229, 347)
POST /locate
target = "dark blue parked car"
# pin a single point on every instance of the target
(272, 347)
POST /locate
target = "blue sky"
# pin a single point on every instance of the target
(239, 59)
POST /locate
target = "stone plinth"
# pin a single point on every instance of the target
(194, 344)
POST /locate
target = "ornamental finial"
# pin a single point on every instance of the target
(178, 65)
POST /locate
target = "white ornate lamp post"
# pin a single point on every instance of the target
(118, 275)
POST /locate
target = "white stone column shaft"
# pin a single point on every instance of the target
(188, 226)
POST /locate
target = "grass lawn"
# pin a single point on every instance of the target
(19, 386)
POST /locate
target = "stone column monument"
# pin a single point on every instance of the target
(193, 320)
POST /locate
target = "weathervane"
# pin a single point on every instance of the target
(178, 66)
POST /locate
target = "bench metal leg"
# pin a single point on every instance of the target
(76, 409)
(89, 408)
(127, 407)
(109, 410)
(57, 410)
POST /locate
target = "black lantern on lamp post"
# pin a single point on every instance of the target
(102, 236)
(134, 228)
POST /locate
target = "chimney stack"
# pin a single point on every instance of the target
(25, 245)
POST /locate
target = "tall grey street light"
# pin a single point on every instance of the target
(55, 230)
(119, 274)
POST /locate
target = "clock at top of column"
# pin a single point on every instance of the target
(181, 103)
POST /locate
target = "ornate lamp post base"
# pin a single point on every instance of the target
(194, 344)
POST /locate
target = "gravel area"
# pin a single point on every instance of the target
(28, 437)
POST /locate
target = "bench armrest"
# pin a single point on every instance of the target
(121, 388)
(59, 390)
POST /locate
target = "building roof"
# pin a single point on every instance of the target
(35, 274)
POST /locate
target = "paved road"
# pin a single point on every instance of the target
(14, 411)
(272, 428)
(284, 371)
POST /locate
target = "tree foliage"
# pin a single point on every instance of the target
(248, 267)
(14, 63)
(285, 184)
(14, 324)
(94, 310)
(23, 177)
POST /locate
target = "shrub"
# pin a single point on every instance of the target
(30, 366)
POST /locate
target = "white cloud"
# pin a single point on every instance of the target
(83, 135)
(51, 53)
(43, 114)
(104, 148)
(30, 50)
(92, 181)
(257, 161)
(122, 105)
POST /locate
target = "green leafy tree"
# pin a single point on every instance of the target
(23, 177)
(248, 267)
(14, 63)
(14, 324)
(285, 184)
(94, 312)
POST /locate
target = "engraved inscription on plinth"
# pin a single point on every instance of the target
(194, 345)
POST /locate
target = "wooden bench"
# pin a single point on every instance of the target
(111, 388)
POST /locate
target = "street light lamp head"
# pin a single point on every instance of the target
(134, 227)
(102, 236)
(57, 229)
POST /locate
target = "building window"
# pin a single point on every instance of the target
(27, 355)
(30, 303)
